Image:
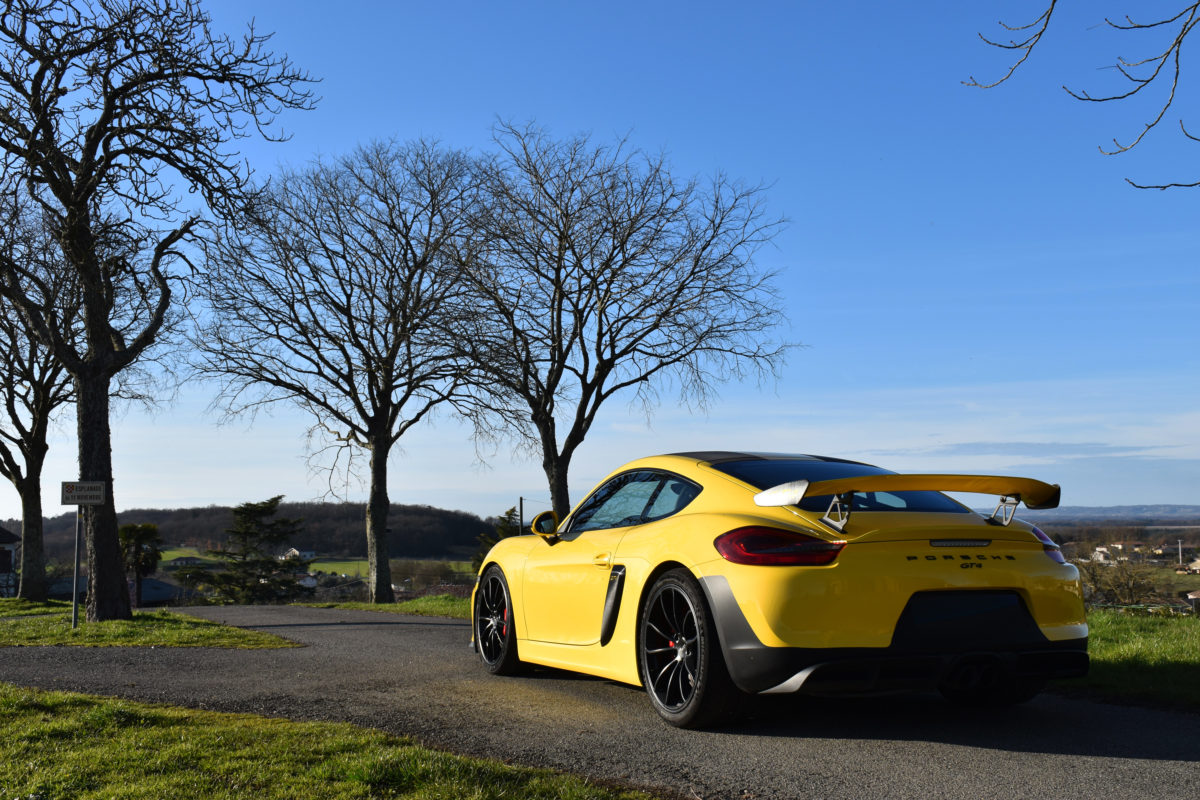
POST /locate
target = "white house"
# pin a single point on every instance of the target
(303, 555)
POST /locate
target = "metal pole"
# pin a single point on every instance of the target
(521, 516)
(75, 580)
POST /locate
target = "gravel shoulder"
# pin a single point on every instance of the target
(417, 676)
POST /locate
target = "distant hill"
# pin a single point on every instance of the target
(338, 529)
(1143, 516)
(329, 529)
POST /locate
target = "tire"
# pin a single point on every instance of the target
(492, 620)
(679, 657)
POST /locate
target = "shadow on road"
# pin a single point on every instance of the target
(1048, 724)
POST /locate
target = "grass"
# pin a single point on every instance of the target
(340, 566)
(1168, 583)
(171, 553)
(40, 624)
(438, 605)
(1143, 658)
(60, 745)
(19, 607)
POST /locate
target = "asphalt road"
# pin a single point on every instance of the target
(417, 676)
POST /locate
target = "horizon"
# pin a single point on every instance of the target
(976, 289)
(1061, 511)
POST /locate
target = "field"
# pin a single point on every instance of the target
(401, 567)
(171, 553)
(423, 572)
(1168, 584)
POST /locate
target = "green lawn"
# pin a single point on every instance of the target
(18, 607)
(60, 745)
(38, 624)
(439, 605)
(353, 567)
(1139, 657)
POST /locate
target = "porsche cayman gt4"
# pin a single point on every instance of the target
(701, 576)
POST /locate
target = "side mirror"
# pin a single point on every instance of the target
(545, 525)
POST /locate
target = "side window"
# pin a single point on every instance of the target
(632, 499)
(885, 501)
(673, 494)
(618, 503)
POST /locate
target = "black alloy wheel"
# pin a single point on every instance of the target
(681, 663)
(495, 636)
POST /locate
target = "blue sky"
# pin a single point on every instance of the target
(975, 286)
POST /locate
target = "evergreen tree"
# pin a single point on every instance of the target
(250, 570)
(141, 550)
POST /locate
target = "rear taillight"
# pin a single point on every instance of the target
(776, 548)
(1052, 550)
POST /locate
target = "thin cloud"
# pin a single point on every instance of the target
(1032, 449)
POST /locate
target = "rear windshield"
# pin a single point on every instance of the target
(765, 473)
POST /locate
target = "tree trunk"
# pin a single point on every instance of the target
(107, 594)
(33, 555)
(379, 568)
(555, 467)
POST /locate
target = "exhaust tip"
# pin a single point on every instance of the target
(975, 673)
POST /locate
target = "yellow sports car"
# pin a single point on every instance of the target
(703, 575)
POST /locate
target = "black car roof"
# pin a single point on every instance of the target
(720, 456)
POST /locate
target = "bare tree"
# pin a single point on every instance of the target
(1092, 574)
(1161, 68)
(335, 297)
(599, 272)
(1128, 583)
(33, 383)
(112, 112)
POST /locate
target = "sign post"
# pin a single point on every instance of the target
(79, 494)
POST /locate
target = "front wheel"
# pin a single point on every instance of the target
(495, 636)
(681, 663)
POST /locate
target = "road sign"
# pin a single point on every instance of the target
(83, 493)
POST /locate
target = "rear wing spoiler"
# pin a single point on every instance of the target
(1011, 491)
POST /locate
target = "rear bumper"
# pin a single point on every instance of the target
(992, 628)
(850, 672)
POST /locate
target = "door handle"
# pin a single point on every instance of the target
(602, 559)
